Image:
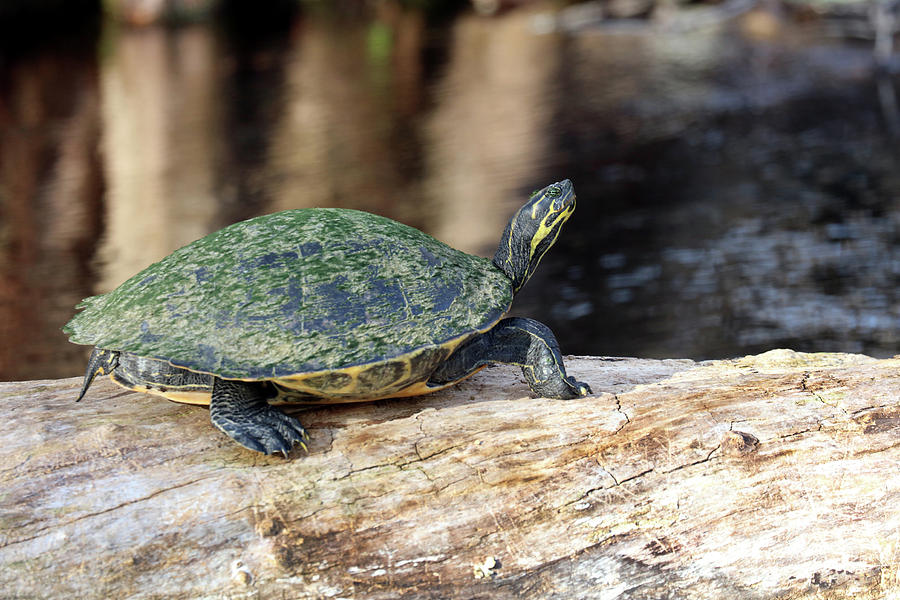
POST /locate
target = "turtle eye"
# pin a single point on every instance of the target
(554, 192)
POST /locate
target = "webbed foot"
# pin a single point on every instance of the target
(241, 410)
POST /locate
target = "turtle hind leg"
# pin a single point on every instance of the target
(241, 410)
(516, 341)
(101, 362)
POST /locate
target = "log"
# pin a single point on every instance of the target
(769, 476)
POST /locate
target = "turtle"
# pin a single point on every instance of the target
(324, 305)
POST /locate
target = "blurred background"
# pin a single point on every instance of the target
(735, 161)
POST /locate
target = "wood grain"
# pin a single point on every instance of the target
(770, 476)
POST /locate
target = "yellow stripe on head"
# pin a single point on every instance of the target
(548, 226)
(533, 230)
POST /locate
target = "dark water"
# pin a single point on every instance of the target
(738, 186)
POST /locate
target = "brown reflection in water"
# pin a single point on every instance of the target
(346, 136)
(50, 189)
(487, 137)
(349, 129)
(188, 134)
(355, 132)
(160, 133)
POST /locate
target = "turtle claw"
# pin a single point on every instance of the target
(580, 387)
(572, 389)
(562, 388)
(267, 431)
(241, 411)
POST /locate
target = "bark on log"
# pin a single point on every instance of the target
(770, 476)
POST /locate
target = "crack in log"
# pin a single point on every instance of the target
(817, 396)
(622, 412)
(354, 471)
(44, 530)
(611, 476)
(865, 409)
(400, 463)
(617, 483)
(432, 455)
(438, 490)
(224, 516)
(590, 490)
(832, 405)
(695, 463)
(310, 515)
(424, 473)
(538, 449)
(637, 475)
(420, 458)
(802, 431)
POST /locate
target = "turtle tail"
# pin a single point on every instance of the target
(101, 362)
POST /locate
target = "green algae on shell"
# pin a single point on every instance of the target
(296, 292)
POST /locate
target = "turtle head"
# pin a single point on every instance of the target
(532, 230)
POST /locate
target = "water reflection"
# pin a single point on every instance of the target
(761, 213)
(737, 190)
(490, 135)
(159, 145)
(345, 137)
(50, 208)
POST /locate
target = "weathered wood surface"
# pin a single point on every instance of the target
(774, 476)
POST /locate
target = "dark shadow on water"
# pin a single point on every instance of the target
(778, 228)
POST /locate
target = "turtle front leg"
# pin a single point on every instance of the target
(241, 410)
(515, 341)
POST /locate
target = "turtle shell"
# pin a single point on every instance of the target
(314, 295)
